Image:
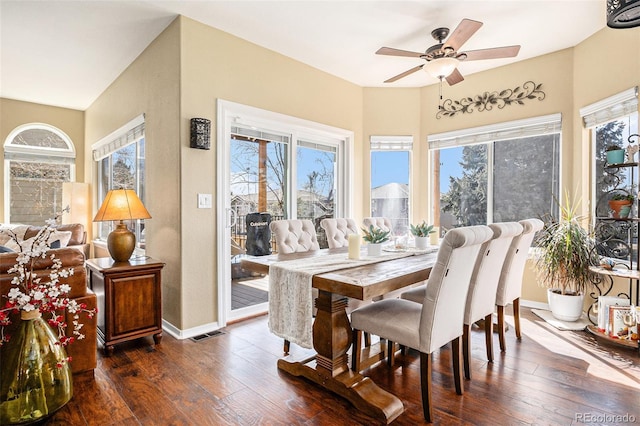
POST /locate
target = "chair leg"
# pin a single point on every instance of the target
(356, 353)
(488, 336)
(367, 339)
(516, 317)
(425, 385)
(456, 355)
(287, 345)
(501, 328)
(391, 352)
(466, 344)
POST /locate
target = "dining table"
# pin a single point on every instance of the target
(332, 332)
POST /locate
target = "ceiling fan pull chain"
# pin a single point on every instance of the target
(440, 91)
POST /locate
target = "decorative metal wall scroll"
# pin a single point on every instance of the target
(487, 101)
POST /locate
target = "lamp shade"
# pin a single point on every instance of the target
(441, 67)
(121, 204)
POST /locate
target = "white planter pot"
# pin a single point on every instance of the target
(422, 242)
(564, 307)
(374, 250)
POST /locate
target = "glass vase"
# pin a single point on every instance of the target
(35, 378)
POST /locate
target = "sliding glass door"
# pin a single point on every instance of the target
(275, 171)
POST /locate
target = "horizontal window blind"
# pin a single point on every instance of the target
(516, 129)
(317, 146)
(611, 108)
(257, 134)
(391, 143)
(130, 133)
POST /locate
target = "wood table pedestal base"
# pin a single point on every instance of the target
(330, 367)
(361, 391)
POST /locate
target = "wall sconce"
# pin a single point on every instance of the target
(200, 133)
(623, 13)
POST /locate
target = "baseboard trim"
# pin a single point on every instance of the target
(190, 332)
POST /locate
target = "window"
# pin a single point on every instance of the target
(121, 164)
(38, 159)
(390, 165)
(611, 121)
(498, 173)
(284, 174)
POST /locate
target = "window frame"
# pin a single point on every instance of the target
(395, 143)
(132, 133)
(29, 153)
(490, 135)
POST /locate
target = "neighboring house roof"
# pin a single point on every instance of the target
(391, 190)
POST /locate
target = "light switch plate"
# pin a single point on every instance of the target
(205, 201)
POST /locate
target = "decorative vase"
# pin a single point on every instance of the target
(422, 242)
(374, 250)
(616, 156)
(35, 379)
(565, 307)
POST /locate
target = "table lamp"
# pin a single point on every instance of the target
(121, 204)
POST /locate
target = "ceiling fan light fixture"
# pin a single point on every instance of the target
(623, 13)
(441, 67)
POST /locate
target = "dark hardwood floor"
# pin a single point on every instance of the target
(551, 377)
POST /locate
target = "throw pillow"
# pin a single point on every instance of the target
(21, 246)
(5, 249)
(62, 236)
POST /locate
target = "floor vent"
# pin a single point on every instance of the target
(206, 335)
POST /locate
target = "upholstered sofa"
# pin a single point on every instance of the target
(83, 352)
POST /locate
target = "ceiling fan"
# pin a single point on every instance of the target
(442, 59)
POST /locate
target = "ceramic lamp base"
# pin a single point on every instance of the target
(121, 243)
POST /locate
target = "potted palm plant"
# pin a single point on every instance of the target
(565, 250)
(421, 233)
(374, 236)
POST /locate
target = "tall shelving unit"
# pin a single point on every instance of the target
(617, 239)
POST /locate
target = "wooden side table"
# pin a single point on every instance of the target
(129, 299)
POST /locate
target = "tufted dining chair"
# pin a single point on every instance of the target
(383, 223)
(510, 284)
(338, 231)
(294, 236)
(436, 321)
(481, 299)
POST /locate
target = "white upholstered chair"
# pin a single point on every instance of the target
(510, 284)
(481, 297)
(294, 236)
(378, 222)
(435, 322)
(338, 231)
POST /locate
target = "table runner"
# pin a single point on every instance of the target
(290, 291)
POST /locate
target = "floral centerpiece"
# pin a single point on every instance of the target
(421, 233)
(31, 292)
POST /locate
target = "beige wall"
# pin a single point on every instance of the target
(189, 66)
(16, 113)
(217, 65)
(151, 86)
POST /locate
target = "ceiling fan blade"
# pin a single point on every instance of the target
(397, 52)
(493, 53)
(404, 74)
(454, 78)
(465, 29)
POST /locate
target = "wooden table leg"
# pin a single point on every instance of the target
(330, 368)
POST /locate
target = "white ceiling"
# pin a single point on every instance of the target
(65, 53)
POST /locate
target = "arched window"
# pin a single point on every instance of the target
(38, 159)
